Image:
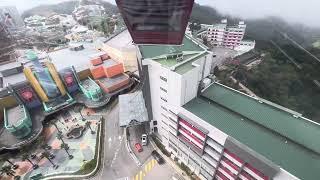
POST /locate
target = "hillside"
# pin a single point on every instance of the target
(66, 8)
(46, 10)
(259, 29)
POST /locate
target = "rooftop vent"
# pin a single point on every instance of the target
(178, 56)
(296, 116)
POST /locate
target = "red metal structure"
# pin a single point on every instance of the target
(156, 21)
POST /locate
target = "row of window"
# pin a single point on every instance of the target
(163, 89)
(163, 79)
(163, 99)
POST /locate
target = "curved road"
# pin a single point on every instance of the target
(117, 163)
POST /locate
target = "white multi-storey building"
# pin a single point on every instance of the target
(218, 132)
(224, 35)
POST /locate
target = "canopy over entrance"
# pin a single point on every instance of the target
(132, 109)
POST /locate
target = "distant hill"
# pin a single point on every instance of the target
(258, 29)
(46, 10)
(66, 8)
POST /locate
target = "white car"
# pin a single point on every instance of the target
(144, 139)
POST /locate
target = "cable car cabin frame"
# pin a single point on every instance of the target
(156, 21)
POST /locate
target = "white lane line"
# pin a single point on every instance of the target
(117, 151)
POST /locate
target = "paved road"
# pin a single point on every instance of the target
(116, 163)
(151, 170)
(135, 137)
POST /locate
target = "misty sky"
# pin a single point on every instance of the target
(301, 11)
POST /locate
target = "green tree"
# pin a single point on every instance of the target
(25, 157)
(88, 124)
(60, 137)
(55, 125)
(14, 166)
(7, 170)
(66, 147)
(78, 109)
(46, 155)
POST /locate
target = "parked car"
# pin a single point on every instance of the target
(138, 147)
(144, 139)
(157, 157)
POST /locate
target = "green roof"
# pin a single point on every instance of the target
(185, 67)
(191, 51)
(268, 129)
(151, 51)
(172, 62)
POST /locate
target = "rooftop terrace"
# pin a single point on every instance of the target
(191, 50)
(151, 51)
(279, 134)
(79, 59)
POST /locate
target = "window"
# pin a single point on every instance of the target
(163, 99)
(164, 90)
(155, 123)
(164, 108)
(163, 78)
(164, 116)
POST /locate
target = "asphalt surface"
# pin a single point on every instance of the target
(117, 162)
(222, 54)
(151, 170)
(135, 137)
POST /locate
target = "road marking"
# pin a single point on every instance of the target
(147, 168)
(141, 175)
(116, 153)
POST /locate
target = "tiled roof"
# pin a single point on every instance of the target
(277, 133)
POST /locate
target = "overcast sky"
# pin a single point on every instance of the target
(302, 11)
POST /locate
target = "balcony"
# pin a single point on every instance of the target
(254, 173)
(233, 158)
(227, 173)
(234, 169)
(209, 150)
(214, 145)
(192, 129)
(191, 138)
(210, 160)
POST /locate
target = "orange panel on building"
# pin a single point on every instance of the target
(109, 85)
(105, 57)
(96, 61)
(97, 71)
(114, 70)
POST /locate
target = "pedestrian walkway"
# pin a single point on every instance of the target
(146, 168)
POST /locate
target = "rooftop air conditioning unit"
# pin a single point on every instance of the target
(179, 59)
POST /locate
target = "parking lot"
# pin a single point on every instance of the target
(135, 133)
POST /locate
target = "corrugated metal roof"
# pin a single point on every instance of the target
(270, 130)
(132, 109)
